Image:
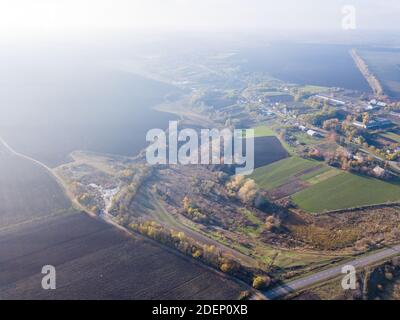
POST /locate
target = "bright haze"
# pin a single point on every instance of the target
(49, 16)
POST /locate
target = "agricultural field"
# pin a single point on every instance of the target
(315, 187)
(268, 149)
(264, 131)
(281, 172)
(346, 190)
(27, 192)
(95, 261)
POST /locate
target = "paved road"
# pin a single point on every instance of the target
(330, 273)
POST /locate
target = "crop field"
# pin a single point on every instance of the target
(268, 150)
(324, 174)
(315, 187)
(95, 261)
(27, 192)
(279, 173)
(346, 190)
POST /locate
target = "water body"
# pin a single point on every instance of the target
(314, 64)
(49, 110)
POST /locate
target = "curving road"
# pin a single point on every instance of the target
(330, 273)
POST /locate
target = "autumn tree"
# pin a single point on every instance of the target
(261, 282)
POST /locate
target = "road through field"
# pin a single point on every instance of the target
(330, 273)
(108, 219)
(271, 293)
(53, 174)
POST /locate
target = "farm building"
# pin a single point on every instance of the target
(330, 100)
(373, 124)
(372, 107)
(303, 128)
(376, 103)
(313, 133)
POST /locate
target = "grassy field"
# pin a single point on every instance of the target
(315, 174)
(346, 190)
(324, 175)
(263, 131)
(327, 188)
(278, 173)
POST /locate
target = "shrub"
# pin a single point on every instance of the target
(261, 282)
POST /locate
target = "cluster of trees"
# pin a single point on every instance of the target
(193, 212)
(243, 188)
(272, 223)
(332, 124)
(315, 153)
(134, 180)
(208, 254)
(318, 118)
(344, 128)
(357, 164)
(261, 282)
(387, 152)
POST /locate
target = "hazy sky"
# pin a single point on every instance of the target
(29, 16)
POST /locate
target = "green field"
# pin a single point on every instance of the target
(329, 188)
(324, 176)
(264, 131)
(278, 173)
(346, 190)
